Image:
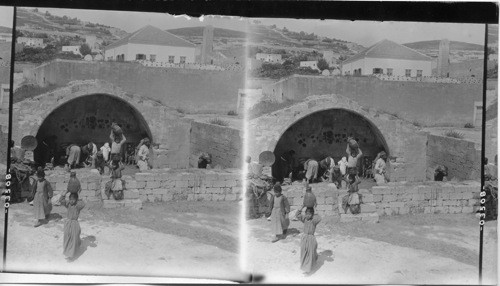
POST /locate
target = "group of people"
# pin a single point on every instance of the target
(327, 170)
(309, 171)
(110, 155)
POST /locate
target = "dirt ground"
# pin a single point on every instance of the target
(409, 249)
(176, 239)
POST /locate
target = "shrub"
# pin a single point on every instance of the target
(218, 121)
(232, 113)
(417, 123)
(454, 134)
(180, 110)
(469, 125)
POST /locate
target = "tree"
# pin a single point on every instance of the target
(85, 50)
(322, 64)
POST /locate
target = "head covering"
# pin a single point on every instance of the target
(40, 173)
(145, 141)
(308, 189)
(344, 160)
(72, 174)
(277, 188)
(106, 145)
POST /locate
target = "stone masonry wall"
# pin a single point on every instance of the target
(326, 197)
(223, 143)
(160, 185)
(431, 197)
(428, 103)
(461, 157)
(173, 87)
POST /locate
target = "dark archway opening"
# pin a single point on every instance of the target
(324, 134)
(87, 119)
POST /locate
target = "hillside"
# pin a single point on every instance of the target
(5, 29)
(31, 22)
(434, 45)
(198, 32)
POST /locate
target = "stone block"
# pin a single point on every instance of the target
(368, 208)
(231, 183)
(167, 197)
(377, 198)
(231, 197)
(368, 198)
(219, 184)
(131, 184)
(389, 211)
(141, 184)
(152, 184)
(404, 210)
(167, 183)
(467, 195)
(379, 190)
(468, 209)
(451, 203)
(143, 198)
(388, 198)
(396, 204)
(456, 196)
(142, 177)
(181, 184)
(330, 201)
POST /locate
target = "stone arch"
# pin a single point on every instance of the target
(31, 113)
(402, 140)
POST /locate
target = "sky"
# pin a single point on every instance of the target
(365, 33)
(6, 14)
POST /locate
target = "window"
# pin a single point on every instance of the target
(152, 58)
(377, 71)
(389, 71)
(171, 59)
(183, 60)
(408, 73)
(419, 73)
(139, 57)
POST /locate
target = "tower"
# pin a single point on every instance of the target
(443, 65)
(207, 46)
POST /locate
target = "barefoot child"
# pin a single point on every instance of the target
(279, 208)
(71, 242)
(116, 185)
(42, 195)
(308, 244)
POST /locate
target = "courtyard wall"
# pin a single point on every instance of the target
(185, 89)
(223, 143)
(461, 157)
(428, 103)
(159, 185)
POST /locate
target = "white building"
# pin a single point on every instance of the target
(72, 49)
(151, 44)
(6, 37)
(389, 58)
(270, 58)
(31, 42)
(311, 64)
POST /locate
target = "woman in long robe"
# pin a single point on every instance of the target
(279, 208)
(72, 230)
(42, 194)
(308, 243)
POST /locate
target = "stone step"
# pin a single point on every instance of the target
(364, 217)
(126, 203)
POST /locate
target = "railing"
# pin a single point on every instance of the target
(432, 79)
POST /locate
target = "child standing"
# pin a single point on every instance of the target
(353, 199)
(279, 208)
(308, 243)
(71, 241)
(42, 191)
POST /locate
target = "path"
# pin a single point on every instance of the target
(406, 249)
(118, 248)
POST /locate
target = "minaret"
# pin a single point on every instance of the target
(443, 65)
(207, 46)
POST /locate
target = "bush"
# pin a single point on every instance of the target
(232, 113)
(180, 110)
(453, 134)
(30, 91)
(469, 125)
(218, 121)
